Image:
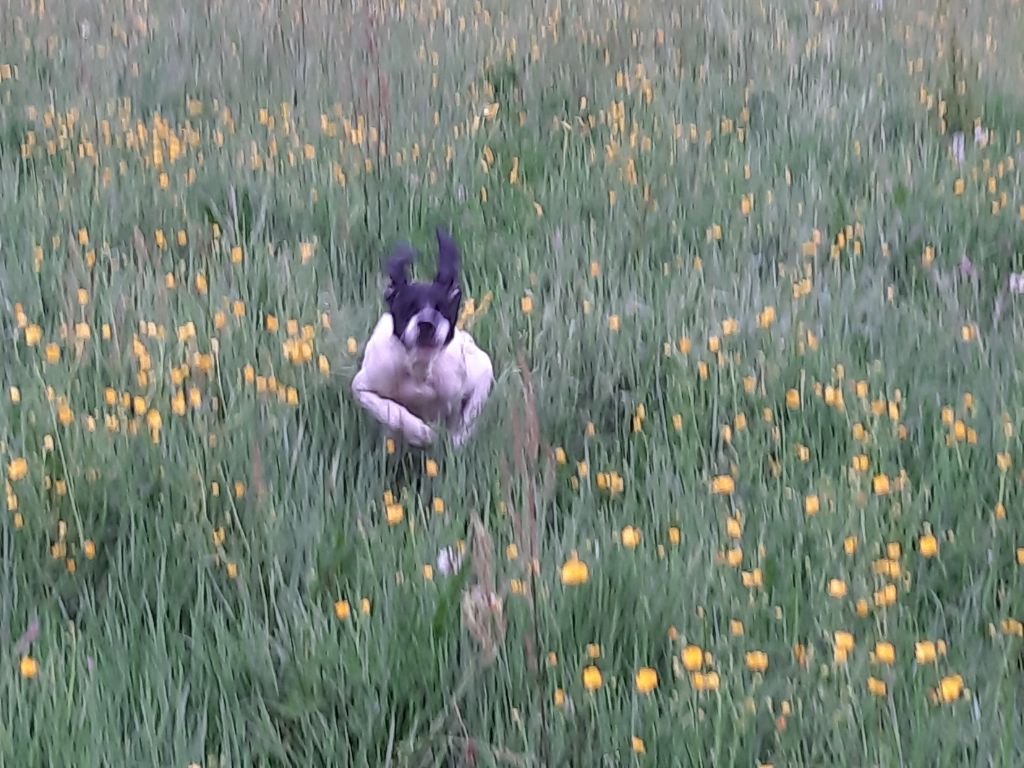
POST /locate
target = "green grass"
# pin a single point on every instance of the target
(738, 229)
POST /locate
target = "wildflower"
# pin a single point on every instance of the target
(646, 680)
(592, 678)
(793, 400)
(559, 698)
(850, 545)
(574, 572)
(757, 661)
(593, 650)
(17, 469)
(674, 536)
(924, 652)
(876, 687)
(638, 745)
(811, 505)
(880, 485)
(692, 657)
(526, 305)
(232, 571)
(613, 323)
(630, 537)
(950, 688)
(705, 681)
(342, 610)
(885, 653)
(733, 528)
(843, 640)
(928, 546)
(448, 561)
(723, 485)
(364, 606)
(52, 353)
(29, 668)
(394, 513)
(837, 588)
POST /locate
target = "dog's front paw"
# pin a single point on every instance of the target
(419, 433)
(460, 437)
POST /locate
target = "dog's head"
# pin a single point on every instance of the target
(425, 314)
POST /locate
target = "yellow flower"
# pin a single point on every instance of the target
(29, 668)
(33, 334)
(705, 681)
(592, 678)
(342, 610)
(733, 528)
(394, 513)
(630, 537)
(850, 545)
(232, 571)
(837, 588)
(613, 323)
(364, 606)
(880, 485)
(638, 745)
(674, 536)
(928, 545)
(559, 697)
(574, 572)
(593, 650)
(843, 640)
(17, 469)
(876, 687)
(692, 657)
(723, 485)
(924, 652)
(526, 305)
(792, 399)
(757, 661)
(885, 653)
(950, 688)
(646, 680)
(812, 505)
(52, 353)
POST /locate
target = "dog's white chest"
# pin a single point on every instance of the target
(431, 392)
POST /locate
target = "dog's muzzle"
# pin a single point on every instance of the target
(427, 328)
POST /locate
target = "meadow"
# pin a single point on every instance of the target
(747, 491)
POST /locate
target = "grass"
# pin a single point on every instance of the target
(756, 366)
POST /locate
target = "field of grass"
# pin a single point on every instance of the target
(748, 488)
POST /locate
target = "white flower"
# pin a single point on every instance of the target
(449, 561)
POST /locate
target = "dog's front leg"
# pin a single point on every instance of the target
(480, 377)
(392, 415)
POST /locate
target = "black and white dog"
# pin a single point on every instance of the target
(418, 368)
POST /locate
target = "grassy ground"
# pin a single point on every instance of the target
(756, 359)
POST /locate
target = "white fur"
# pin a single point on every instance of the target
(408, 391)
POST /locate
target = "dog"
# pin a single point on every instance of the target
(419, 370)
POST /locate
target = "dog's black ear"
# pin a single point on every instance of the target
(398, 269)
(447, 259)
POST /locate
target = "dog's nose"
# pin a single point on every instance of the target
(425, 328)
